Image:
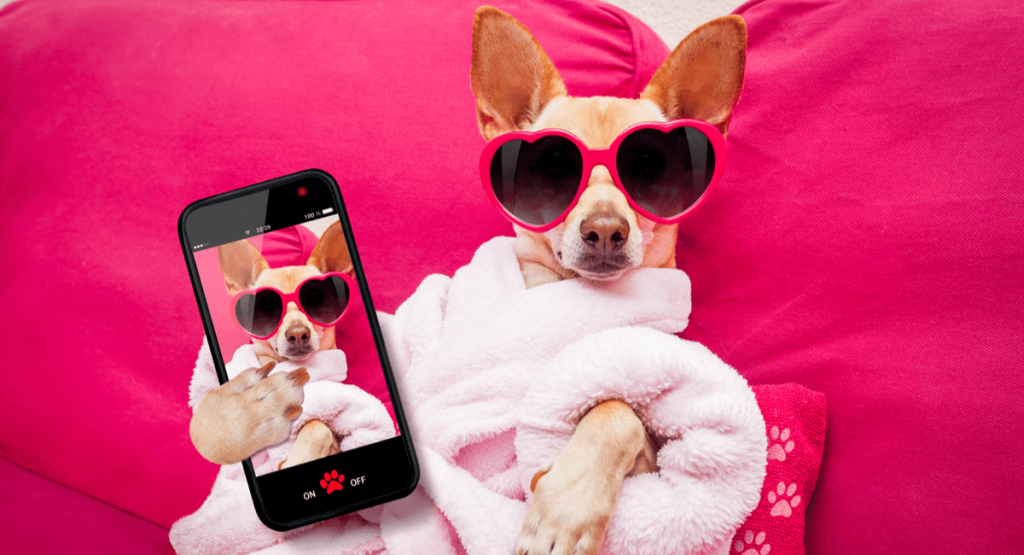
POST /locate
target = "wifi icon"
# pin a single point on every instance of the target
(247, 232)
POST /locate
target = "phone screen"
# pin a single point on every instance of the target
(278, 279)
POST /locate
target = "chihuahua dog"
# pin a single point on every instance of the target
(235, 420)
(517, 88)
(297, 337)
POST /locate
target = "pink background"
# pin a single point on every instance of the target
(866, 240)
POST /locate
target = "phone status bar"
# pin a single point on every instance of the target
(260, 230)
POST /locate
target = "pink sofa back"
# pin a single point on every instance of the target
(115, 115)
(866, 240)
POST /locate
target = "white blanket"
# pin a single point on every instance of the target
(494, 378)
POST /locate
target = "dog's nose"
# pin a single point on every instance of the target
(297, 335)
(605, 232)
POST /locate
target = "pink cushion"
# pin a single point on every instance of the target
(867, 241)
(116, 114)
(794, 419)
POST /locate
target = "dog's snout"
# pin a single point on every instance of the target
(297, 335)
(605, 232)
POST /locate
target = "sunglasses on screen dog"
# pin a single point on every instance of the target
(665, 170)
(324, 299)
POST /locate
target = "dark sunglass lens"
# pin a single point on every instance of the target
(665, 173)
(536, 181)
(259, 314)
(324, 301)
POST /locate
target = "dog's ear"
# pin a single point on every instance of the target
(331, 252)
(241, 264)
(512, 77)
(702, 77)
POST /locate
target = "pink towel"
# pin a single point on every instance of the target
(493, 379)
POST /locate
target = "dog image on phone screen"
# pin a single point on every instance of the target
(293, 332)
(291, 314)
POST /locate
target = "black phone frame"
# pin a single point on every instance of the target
(404, 435)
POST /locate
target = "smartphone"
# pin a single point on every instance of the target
(277, 276)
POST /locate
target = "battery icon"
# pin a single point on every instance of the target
(327, 211)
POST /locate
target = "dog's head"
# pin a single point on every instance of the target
(244, 268)
(517, 88)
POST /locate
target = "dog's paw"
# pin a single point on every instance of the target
(314, 441)
(251, 412)
(272, 403)
(575, 493)
(569, 514)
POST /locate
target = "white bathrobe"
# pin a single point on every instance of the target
(494, 378)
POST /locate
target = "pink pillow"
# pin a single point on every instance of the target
(117, 114)
(794, 418)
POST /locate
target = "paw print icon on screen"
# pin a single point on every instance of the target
(332, 481)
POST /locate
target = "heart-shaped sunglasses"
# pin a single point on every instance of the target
(666, 170)
(323, 299)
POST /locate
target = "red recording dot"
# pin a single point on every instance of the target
(301, 191)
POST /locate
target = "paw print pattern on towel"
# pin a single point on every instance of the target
(777, 452)
(784, 500)
(753, 545)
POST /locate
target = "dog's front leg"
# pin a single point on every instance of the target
(575, 494)
(250, 412)
(314, 441)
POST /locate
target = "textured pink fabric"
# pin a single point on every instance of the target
(115, 115)
(794, 419)
(41, 517)
(867, 241)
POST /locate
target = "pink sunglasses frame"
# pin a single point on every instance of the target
(603, 157)
(287, 298)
